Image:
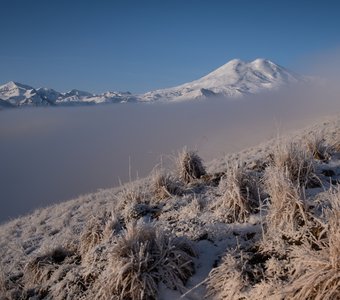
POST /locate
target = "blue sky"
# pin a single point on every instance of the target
(143, 45)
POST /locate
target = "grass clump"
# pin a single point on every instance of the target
(136, 201)
(237, 275)
(40, 269)
(96, 230)
(226, 281)
(287, 212)
(318, 147)
(296, 162)
(316, 272)
(239, 192)
(190, 166)
(143, 257)
(3, 285)
(164, 185)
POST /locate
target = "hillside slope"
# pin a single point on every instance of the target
(241, 227)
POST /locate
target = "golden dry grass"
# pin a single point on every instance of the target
(142, 258)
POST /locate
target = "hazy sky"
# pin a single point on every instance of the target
(143, 45)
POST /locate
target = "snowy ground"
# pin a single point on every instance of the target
(194, 213)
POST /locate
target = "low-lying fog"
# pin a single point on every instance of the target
(49, 155)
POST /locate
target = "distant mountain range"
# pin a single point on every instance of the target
(234, 79)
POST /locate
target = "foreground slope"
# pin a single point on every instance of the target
(263, 223)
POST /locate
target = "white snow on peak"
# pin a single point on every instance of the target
(235, 78)
(13, 89)
(18, 94)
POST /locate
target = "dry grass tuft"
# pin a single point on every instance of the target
(143, 257)
(135, 211)
(296, 162)
(189, 166)
(97, 230)
(165, 185)
(288, 215)
(135, 202)
(236, 276)
(316, 272)
(131, 192)
(318, 147)
(41, 268)
(288, 218)
(336, 146)
(3, 286)
(227, 281)
(239, 194)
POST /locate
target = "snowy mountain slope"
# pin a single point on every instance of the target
(234, 79)
(17, 94)
(87, 98)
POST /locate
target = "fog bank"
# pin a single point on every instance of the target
(49, 155)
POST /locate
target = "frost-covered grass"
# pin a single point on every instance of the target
(262, 224)
(189, 166)
(142, 257)
(239, 195)
(294, 159)
(319, 148)
(316, 270)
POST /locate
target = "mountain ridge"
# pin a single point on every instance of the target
(236, 78)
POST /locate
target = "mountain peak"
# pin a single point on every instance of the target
(234, 61)
(78, 93)
(233, 79)
(12, 85)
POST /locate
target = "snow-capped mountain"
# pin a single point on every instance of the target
(234, 79)
(13, 94)
(17, 94)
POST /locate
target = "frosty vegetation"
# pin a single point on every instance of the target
(261, 224)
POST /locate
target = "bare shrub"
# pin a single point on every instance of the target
(142, 257)
(239, 192)
(296, 162)
(189, 166)
(316, 272)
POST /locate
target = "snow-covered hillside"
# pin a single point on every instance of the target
(234, 79)
(259, 224)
